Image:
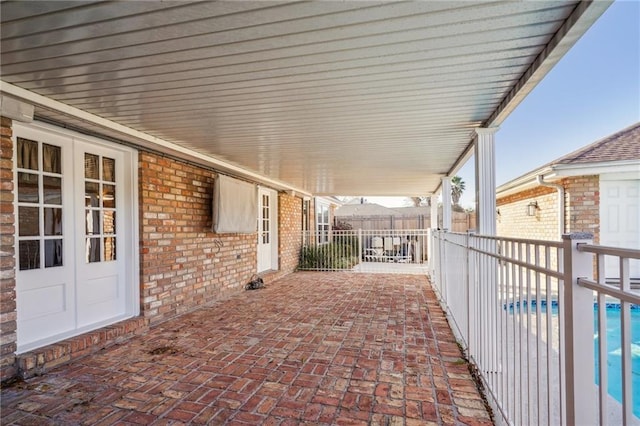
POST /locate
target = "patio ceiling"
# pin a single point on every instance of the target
(342, 98)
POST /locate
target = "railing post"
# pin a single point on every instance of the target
(579, 361)
(471, 298)
(359, 245)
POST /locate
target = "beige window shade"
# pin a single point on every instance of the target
(235, 206)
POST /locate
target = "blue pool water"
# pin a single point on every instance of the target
(614, 354)
(614, 358)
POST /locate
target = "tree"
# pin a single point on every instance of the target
(457, 188)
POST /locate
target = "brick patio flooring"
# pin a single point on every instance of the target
(311, 348)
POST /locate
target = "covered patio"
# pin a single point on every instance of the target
(130, 114)
(378, 351)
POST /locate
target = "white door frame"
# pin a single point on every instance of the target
(267, 260)
(128, 248)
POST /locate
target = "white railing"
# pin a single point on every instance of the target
(363, 250)
(525, 322)
(619, 291)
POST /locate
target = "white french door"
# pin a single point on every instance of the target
(100, 265)
(75, 234)
(45, 273)
(267, 230)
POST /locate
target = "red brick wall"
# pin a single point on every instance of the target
(8, 315)
(183, 264)
(289, 231)
(581, 201)
(583, 204)
(513, 220)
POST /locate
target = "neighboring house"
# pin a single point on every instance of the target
(111, 235)
(595, 189)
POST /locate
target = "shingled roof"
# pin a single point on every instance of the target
(619, 152)
(623, 145)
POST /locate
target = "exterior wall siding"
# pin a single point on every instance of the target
(289, 232)
(581, 203)
(8, 314)
(513, 221)
(184, 264)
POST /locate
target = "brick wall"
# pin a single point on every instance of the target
(582, 210)
(514, 222)
(583, 204)
(183, 264)
(8, 315)
(289, 231)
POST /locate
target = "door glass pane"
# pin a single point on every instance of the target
(108, 169)
(109, 248)
(92, 194)
(51, 158)
(91, 166)
(28, 221)
(28, 188)
(52, 221)
(109, 222)
(92, 222)
(52, 190)
(93, 250)
(109, 196)
(27, 154)
(52, 253)
(29, 254)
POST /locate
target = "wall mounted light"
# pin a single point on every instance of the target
(531, 208)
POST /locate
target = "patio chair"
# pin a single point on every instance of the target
(376, 252)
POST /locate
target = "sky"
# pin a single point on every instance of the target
(593, 92)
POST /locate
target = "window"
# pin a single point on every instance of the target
(39, 178)
(322, 222)
(100, 208)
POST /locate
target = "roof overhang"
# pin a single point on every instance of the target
(556, 172)
(332, 98)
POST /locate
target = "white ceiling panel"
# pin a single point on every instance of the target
(351, 98)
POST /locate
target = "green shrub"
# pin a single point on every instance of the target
(335, 255)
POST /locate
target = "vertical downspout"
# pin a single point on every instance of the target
(560, 189)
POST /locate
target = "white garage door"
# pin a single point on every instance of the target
(620, 219)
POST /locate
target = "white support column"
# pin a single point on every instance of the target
(446, 203)
(434, 212)
(485, 181)
(431, 248)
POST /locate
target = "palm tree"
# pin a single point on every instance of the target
(457, 188)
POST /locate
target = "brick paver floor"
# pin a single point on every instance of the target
(311, 348)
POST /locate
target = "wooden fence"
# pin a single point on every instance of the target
(460, 222)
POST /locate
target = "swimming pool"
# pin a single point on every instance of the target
(614, 354)
(614, 350)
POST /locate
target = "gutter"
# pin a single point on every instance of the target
(560, 189)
